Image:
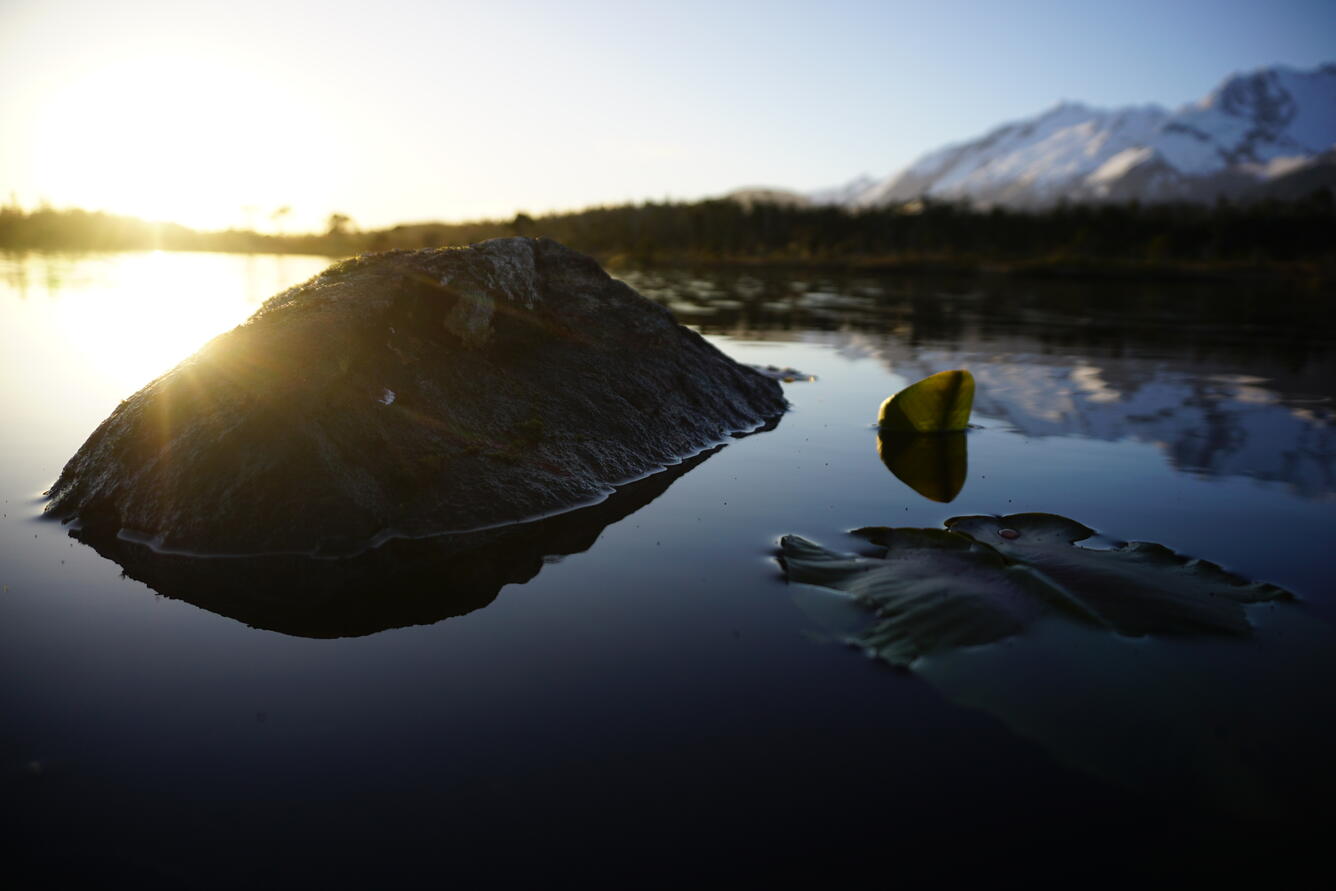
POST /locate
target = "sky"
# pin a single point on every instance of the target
(218, 114)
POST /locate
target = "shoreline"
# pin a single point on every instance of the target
(1309, 273)
(1305, 273)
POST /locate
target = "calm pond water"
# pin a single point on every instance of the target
(635, 696)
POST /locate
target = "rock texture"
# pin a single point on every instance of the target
(410, 393)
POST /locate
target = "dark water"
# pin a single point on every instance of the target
(634, 696)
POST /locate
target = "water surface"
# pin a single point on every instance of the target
(654, 704)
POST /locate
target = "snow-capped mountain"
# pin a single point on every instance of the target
(1255, 130)
(844, 194)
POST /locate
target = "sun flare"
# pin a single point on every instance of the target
(179, 140)
(167, 305)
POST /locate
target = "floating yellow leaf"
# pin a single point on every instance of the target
(937, 404)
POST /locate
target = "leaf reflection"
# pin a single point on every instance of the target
(932, 464)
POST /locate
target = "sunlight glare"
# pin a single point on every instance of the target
(154, 309)
(174, 139)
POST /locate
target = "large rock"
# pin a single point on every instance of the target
(408, 394)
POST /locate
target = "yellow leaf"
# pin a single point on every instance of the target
(937, 404)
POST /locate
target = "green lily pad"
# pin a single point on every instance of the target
(988, 578)
(940, 403)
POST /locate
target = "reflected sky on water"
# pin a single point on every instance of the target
(643, 688)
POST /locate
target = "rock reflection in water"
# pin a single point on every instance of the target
(407, 581)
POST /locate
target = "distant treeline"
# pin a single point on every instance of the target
(1282, 234)
(50, 229)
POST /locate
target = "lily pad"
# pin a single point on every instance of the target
(929, 588)
(1229, 726)
(1137, 587)
(988, 578)
(940, 403)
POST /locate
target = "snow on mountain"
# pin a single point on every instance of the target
(1253, 128)
(843, 194)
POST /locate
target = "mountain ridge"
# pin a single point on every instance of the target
(1256, 130)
